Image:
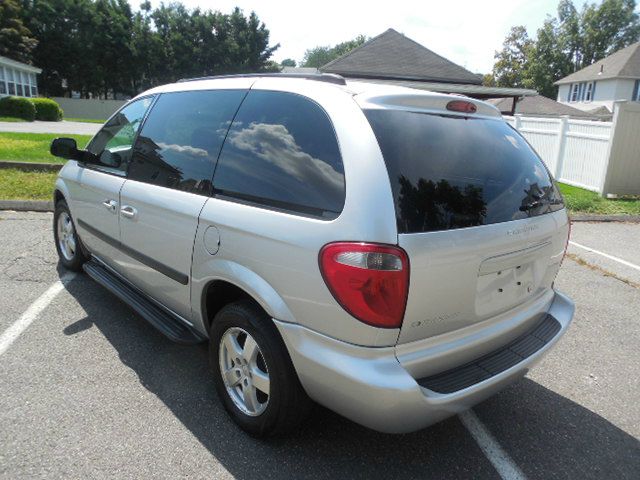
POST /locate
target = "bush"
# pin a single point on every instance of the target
(17, 107)
(47, 110)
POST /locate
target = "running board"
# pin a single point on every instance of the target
(166, 323)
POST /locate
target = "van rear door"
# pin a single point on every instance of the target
(477, 212)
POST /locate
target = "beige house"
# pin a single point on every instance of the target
(17, 78)
(612, 79)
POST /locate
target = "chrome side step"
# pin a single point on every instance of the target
(166, 323)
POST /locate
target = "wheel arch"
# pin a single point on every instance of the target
(61, 192)
(235, 282)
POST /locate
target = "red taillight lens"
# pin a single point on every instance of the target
(461, 106)
(370, 281)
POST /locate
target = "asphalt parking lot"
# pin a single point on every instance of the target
(89, 390)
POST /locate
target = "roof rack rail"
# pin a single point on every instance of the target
(318, 77)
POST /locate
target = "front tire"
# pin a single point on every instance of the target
(68, 245)
(253, 373)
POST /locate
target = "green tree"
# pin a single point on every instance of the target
(488, 80)
(546, 60)
(565, 44)
(319, 56)
(568, 32)
(16, 40)
(65, 33)
(606, 28)
(101, 47)
(511, 60)
(288, 62)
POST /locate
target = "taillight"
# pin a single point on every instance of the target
(461, 106)
(370, 281)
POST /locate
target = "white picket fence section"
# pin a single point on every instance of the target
(576, 151)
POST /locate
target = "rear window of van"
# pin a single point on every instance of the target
(450, 172)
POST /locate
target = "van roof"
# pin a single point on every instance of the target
(367, 94)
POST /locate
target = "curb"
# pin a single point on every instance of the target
(27, 205)
(604, 218)
(32, 167)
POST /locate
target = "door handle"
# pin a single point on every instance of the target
(110, 205)
(128, 211)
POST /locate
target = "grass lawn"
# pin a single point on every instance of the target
(12, 119)
(33, 147)
(19, 185)
(85, 120)
(579, 200)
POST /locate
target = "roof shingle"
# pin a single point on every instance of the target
(624, 63)
(392, 55)
(538, 105)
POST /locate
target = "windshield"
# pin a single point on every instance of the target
(451, 172)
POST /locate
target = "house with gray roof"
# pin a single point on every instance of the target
(601, 84)
(17, 78)
(541, 106)
(392, 58)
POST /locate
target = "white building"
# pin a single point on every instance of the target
(614, 78)
(17, 78)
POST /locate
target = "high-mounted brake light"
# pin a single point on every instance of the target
(368, 280)
(461, 106)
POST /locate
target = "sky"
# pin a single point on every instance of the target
(466, 32)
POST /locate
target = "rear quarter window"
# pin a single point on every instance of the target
(450, 172)
(281, 152)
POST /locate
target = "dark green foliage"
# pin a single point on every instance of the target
(565, 44)
(47, 109)
(102, 48)
(16, 41)
(319, 56)
(18, 107)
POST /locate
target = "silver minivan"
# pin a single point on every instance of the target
(386, 252)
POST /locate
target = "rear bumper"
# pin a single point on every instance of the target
(370, 386)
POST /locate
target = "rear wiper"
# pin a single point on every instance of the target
(531, 206)
(539, 203)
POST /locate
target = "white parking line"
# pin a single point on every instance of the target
(606, 255)
(507, 469)
(34, 310)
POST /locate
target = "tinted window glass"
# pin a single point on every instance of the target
(451, 172)
(282, 152)
(181, 139)
(114, 141)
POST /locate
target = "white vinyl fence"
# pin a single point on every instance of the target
(574, 150)
(599, 156)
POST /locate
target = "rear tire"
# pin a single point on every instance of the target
(70, 249)
(256, 383)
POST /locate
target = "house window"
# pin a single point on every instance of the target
(636, 91)
(574, 92)
(588, 96)
(11, 85)
(33, 85)
(25, 84)
(3, 85)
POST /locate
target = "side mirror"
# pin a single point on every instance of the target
(65, 148)
(68, 148)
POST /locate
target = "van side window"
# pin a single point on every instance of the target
(115, 139)
(281, 152)
(181, 139)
